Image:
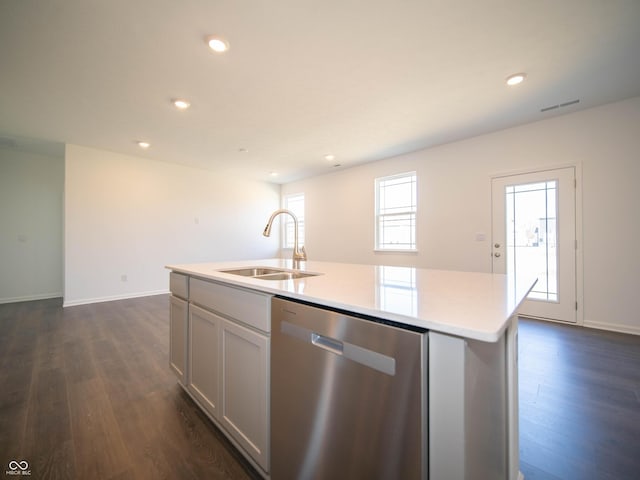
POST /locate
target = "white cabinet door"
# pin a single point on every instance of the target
(178, 318)
(245, 380)
(204, 358)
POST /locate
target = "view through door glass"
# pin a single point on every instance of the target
(532, 237)
(534, 234)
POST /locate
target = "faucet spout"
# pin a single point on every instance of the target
(299, 254)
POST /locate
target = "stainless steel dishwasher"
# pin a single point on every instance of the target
(348, 396)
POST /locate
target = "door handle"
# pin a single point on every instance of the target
(497, 254)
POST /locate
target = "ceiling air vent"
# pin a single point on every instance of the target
(560, 105)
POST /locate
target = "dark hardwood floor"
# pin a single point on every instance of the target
(86, 393)
(579, 403)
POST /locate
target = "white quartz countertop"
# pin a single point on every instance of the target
(466, 304)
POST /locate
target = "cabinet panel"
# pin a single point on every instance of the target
(245, 379)
(204, 358)
(178, 320)
(179, 285)
(247, 306)
(221, 356)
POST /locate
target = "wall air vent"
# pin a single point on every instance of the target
(560, 105)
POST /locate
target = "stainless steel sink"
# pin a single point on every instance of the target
(253, 271)
(266, 273)
(286, 275)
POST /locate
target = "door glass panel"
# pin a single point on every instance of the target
(532, 237)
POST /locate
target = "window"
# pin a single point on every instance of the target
(295, 203)
(396, 212)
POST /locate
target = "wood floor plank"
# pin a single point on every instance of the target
(98, 445)
(48, 424)
(17, 330)
(579, 412)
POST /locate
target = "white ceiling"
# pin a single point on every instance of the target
(363, 80)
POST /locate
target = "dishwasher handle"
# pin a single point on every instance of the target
(330, 344)
(364, 356)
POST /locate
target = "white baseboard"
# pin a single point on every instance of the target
(613, 327)
(28, 298)
(85, 301)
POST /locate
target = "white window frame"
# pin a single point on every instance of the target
(287, 224)
(411, 210)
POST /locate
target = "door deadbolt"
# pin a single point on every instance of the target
(497, 245)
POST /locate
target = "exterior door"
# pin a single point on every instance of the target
(534, 232)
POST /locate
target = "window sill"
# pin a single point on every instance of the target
(394, 251)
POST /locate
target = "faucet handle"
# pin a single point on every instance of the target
(299, 254)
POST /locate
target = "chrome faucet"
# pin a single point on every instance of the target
(299, 254)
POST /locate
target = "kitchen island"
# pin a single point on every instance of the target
(221, 350)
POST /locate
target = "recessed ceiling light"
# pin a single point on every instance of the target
(515, 79)
(180, 103)
(329, 157)
(217, 43)
(143, 144)
(273, 174)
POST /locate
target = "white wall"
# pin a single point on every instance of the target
(455, 203)
(31, 188)
(129, 216)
